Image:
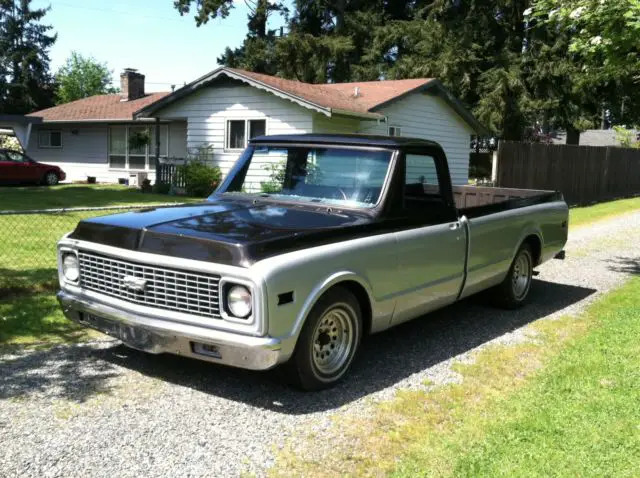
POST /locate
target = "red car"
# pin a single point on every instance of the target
(16, 167)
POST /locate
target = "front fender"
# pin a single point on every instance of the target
(321, 288)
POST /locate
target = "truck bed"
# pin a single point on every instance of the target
(475, 201)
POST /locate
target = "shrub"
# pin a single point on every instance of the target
(146, 186)
(161, 188)
(200, 179)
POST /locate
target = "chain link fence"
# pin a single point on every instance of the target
(28, 239)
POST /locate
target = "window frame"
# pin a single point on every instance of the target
(48, 132)
(247, 130)
(449, 210)
(397, 129)
(149, 149)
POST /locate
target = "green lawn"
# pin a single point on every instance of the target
(579, 216)
(77, 195)
(564, 404)
(28, 242)
(37, 319)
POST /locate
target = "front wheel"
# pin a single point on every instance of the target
(51, 178)
(514, 290)
(328, 341)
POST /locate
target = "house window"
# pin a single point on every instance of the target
(141, 158)
(118, 147)
(50, 139)
(395, 131)
(240, 131)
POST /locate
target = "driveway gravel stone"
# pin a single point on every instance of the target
(100, 409)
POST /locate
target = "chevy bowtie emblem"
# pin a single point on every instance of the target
(136, 284)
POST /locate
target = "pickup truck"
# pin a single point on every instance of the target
(310, 243)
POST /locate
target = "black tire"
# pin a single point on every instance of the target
(513, 292)
(319, 360)
(50, 179)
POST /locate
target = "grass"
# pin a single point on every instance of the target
(37, 319)
(28, 242)
(580, 216)
(564, 404)
(77, 195)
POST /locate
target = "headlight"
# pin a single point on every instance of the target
(70, 267)
(239, 301)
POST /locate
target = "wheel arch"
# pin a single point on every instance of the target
(532, 236)
(535, 243)
(350, 281)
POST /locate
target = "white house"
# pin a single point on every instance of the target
(225, 108)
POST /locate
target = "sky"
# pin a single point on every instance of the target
(148, 35)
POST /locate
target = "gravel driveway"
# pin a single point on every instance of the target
(100, 409)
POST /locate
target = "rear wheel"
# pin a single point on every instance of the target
(514, 290)
(328, 341)
(50, 179)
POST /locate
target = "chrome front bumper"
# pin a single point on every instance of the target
(155, 335)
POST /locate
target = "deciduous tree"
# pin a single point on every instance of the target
(81, 77)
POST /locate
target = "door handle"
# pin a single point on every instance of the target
(454, 226)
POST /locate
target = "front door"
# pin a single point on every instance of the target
(431, 249)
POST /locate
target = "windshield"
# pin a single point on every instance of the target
(342, 177)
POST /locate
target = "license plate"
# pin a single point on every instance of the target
(135, 337)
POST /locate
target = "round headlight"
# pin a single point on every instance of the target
(239, 301)
(70, 267)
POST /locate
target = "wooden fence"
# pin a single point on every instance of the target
(584, 174)
(170, 174)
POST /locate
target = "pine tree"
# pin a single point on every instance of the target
(257, 50)
(24, 58)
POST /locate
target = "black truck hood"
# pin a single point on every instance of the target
(230, 231)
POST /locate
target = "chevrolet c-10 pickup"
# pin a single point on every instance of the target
(310, 243)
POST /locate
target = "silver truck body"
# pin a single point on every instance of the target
(396, 276)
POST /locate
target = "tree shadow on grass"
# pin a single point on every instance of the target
(35, 319)
(15, 282)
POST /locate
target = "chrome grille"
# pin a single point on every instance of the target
(169, 289)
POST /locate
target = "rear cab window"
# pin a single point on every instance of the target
(424, 195)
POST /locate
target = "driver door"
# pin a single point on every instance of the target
(431, 247)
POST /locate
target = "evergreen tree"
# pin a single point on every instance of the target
(257, 50)
(24, 58)
(518, 72)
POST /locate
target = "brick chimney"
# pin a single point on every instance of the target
(131, 84)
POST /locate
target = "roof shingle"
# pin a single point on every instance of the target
(98, 108)
(340, 95)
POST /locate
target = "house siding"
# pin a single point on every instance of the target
(335, 125)
(420, 115)
(207, 111)
(86, 153)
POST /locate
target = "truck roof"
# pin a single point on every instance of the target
(347, 140)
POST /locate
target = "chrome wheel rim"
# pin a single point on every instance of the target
(51, 179)
(521, 277)
(333, 340)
